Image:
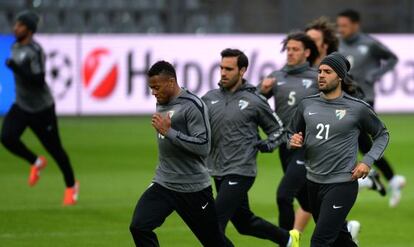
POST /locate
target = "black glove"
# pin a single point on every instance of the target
(265, 146)
(11, 64)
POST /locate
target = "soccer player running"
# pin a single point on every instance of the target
(34, 107)
(370, 60)
(323, 32)
(288, 86)
(181, 181)
(327, 126)
(236, 111)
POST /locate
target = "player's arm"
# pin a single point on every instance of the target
(32, 70)
(265, 87)
(371, 124)
(388, 61)
(272, 125)
(296, 128)
(198, 139)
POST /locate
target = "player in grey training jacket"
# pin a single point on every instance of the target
(327, 126)
(34, 107)
(288, 86)
(181, 181)
(323, 33)
(236, 111)
(370, 60)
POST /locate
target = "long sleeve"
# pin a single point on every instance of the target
(198, 139)
(271, 124)
(31, 70)
(388, 61)
(269, 94)
(376, 129)
(297, 123)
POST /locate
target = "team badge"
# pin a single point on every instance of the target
(363, 49)
(340, 114)
(243, 104)
(351, 60)
(170, 113)
(307, 83)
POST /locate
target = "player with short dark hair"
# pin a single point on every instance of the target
(236, 111)
(288, 86)
(181, 181)
(327, 126)
(370, 60)
(34, 107)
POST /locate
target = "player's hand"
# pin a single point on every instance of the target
(160, 123)
(360, 171)
(11, 63)
(296, 141)
(267, 84)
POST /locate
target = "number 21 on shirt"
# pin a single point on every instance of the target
(323, 131)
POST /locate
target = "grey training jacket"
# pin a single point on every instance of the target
(235, 118)
(183, 151)
(331, 129)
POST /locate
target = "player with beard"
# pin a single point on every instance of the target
(288, 86)
(327, 126)
(236, 112)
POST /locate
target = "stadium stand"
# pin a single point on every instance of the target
(201, 16)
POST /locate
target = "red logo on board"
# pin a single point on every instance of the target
(100, 73)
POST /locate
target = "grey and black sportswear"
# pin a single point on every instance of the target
(235, 118)
(184, 150)
(331, 129)
(293, 83)
(369, 59)
(34, 108)
(181, 183)
(28, 65)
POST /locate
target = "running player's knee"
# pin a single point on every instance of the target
(318, 241)
(246, 224)
(7, 140)
(135, 228)
(283, 197)
(139, 224)
(243, 229)
(135, 225)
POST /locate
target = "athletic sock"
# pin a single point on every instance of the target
(38, 162)
(289, 243)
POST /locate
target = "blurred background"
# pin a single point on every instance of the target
(204, 16)
(124, 37)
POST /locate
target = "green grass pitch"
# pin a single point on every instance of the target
(114, 160)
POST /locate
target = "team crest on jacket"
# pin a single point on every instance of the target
(351, 60)
(363, 49)
(340, 114)
(170, 113)
(307, 83)
(243, 104)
